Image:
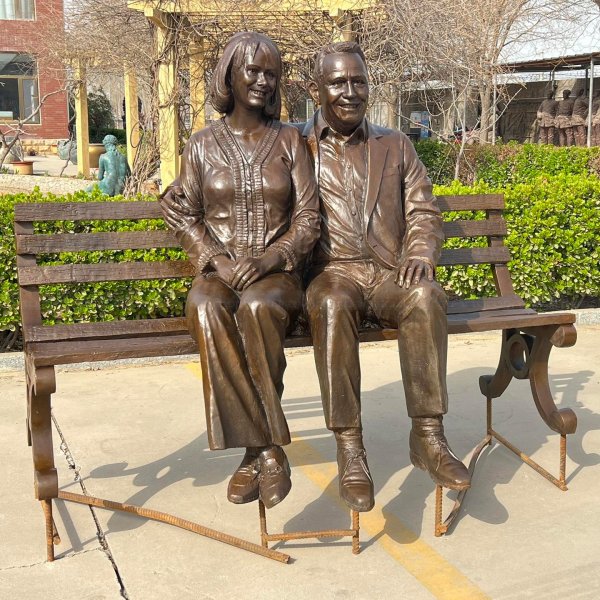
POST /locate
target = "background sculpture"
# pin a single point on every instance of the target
(563, 120)
(579, 118)
(112, 168)
(547, 119)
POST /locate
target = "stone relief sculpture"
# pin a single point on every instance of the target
(546, 116)
(579, 118)
(564, 123)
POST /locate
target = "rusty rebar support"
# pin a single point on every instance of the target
(155, 515)
(440, 528)
(489, 415)
(529, 461)
(563, 460)
(356, 529)
(50, 528)
(305, 535)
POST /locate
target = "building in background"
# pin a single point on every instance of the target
(26, 77)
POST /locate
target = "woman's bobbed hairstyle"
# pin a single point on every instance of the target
(240, 46)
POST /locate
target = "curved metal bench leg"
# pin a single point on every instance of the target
(525, 355)
(40, 386)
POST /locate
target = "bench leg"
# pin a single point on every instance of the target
(525, 355)
(40, 386)
(266, 537)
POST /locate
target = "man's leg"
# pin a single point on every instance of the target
(335, 305)
(419, 313)
(570, 136)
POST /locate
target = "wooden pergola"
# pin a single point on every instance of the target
(161, 14)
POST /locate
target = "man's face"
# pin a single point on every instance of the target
(344, 91)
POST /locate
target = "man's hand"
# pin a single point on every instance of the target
(412, 270)
(249, 270)
(223, 266)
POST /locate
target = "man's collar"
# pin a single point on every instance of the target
(323, 129)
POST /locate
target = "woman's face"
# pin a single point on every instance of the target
(254, 82)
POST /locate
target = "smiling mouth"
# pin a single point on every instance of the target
(258, 93)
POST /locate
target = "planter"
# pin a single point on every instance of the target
(95, 151)
(22, 167)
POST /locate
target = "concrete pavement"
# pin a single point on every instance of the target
(137, 434)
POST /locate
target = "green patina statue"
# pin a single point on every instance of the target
(112, 168)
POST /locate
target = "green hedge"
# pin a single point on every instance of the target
(553, 223)
(87, 302)
(505, 164)
(553, 234)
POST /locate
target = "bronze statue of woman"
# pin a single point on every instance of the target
(246, 211)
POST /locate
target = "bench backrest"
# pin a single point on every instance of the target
(30, 246)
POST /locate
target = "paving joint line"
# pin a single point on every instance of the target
(104, 545)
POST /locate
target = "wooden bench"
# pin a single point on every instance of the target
(527, 337)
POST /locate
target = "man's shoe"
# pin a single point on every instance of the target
(274, 481)
(243, 485)
(356, 484)
(429, 451)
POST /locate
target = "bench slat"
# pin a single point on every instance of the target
(106, 329)
(474, 256)
(81, 242)
(474, 228)
(85, 273)
(474, 202)
(86, 211)
(484, 304)
(69, 352)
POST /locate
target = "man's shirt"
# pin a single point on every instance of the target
(342, 189)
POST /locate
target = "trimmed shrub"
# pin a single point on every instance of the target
(88, 302)
(505, 164)
(553, 233)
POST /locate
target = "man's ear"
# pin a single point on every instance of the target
(313, 90)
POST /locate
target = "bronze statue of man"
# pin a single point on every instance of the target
(381, 236)
(112, 168)
(564, 124)
(579, 118)
(546, 116)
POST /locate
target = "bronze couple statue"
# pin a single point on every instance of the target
(337, 211)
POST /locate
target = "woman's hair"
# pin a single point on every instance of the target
(240, 46)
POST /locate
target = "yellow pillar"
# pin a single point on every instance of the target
(197, 84)
(81, 121)
(343, 20)
(132, 117)
(168, 123)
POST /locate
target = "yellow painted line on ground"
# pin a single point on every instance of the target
(195, 369)
(429, 568)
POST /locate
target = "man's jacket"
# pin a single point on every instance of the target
(402, 217)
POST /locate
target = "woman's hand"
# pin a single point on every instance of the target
(223, 266)
(248, 270)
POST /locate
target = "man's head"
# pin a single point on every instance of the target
(340, 85)
(566, 94)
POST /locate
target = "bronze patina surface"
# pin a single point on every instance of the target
(381, 238)
(245, 209)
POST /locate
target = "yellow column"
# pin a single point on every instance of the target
(343, 20)
(197, 84)
(81, 121)
(132, 117)
(168, 124)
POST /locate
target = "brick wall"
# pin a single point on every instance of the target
(20, 36)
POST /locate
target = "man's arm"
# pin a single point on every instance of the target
(424, 235)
